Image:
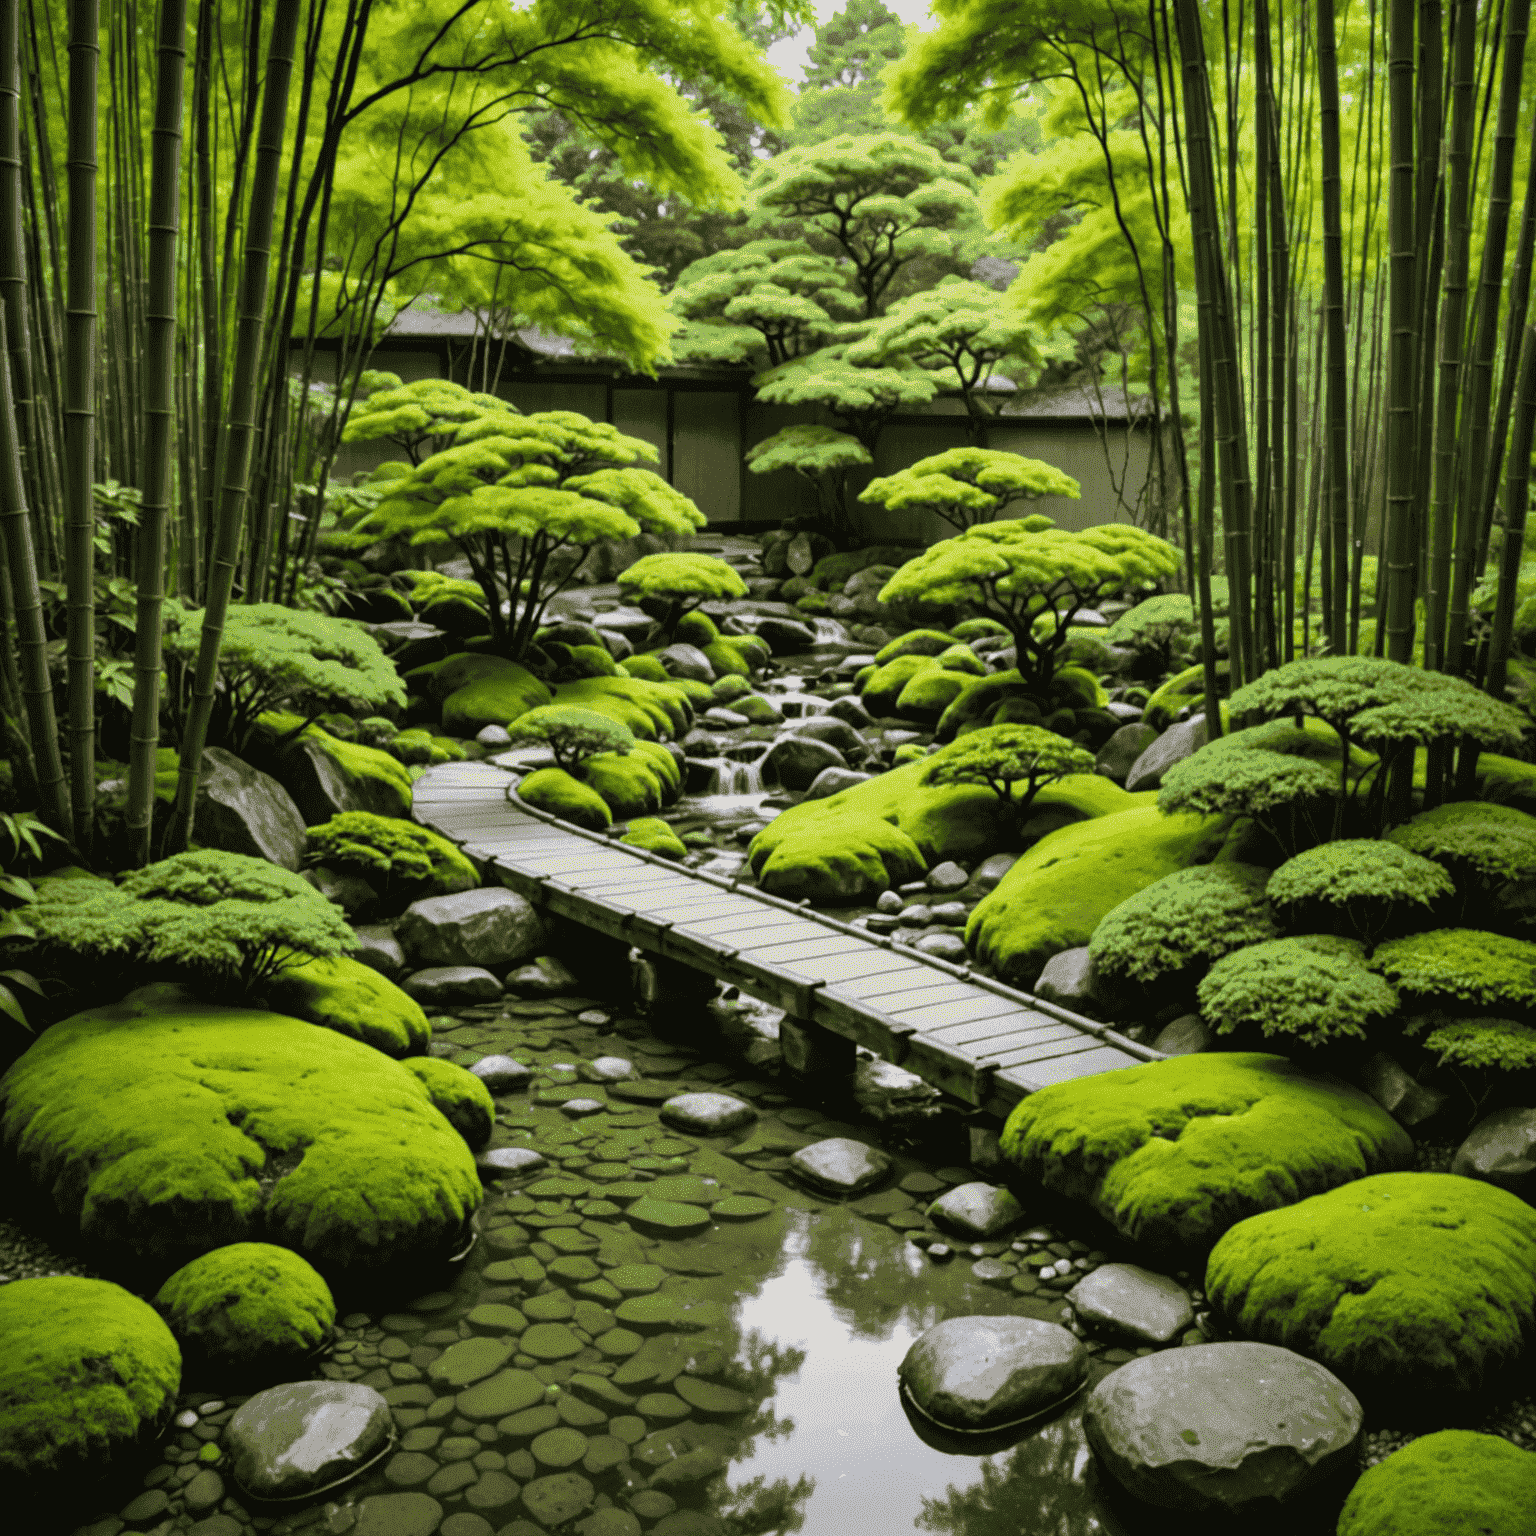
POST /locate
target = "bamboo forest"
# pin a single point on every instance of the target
(769, 766)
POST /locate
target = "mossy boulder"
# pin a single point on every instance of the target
(885, 685)
(1062, 888)
(726, 659)
(916, 642)
(1417, 1289)
(1455, 1482)
(646, 667)
(851, 858)
(496, 694)
(247, 1306)
(979, 699)
(649, 709)
(91, 1371)
(401, 860)
(560, 794)
(757, 709)
(629, 784)
(343, 994)
(213, 1125)
(327, 775)
(928, 694)
(1184, 690)
(1076, 687)
(655, 836)
(460, 1097)
(1174, 1153)
(664, 765)
(961, 658)
(698, 629)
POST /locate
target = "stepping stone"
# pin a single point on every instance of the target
(442, 984)
(598, 1389)
(300, 1438)
(559, 1448)
(502, 1074)
(667, 1218)
(492, 1317)
(640, 1091)
(1127, 1302)
(977, 1211)
(554, 1500)
(839, 1165)
(506, 1392)
(741, 1207)
(604, 1452)
(469, 1361)
(618, 1343)
(408, 1469)
(987, 1373)
(920, 1183)
(607, 1069)
(708, 1397)
(559, 1186)
(530, 1422)
(663, 1311)
(578, 1414)
(688, 1188)
(576, 1268)
(1222, 1427)
(696, 1466)
(397, 1514)
(505, 1160)
(565, 1240)
(553, 1308)
(709, 1114)
(637, 1279)
(947, 876)
(549, 1341)
(576, 1108)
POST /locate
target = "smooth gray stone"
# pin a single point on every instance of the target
(494, 736)
(841, 1166)
(686, 661)
(1071, 980)
(723, 719)
(502, 1074)
(607, 1069)
(506, 1160)
(977, 1211)
(490, 927)
(710, 1114)
(1502, 1150)
(1129, 713)
(452, 984)
(1387, 1081)
(378, 947)
(322, 787)
(943, 946)
(794, 762)
(242, 810)
(991, 870)
(296, 1439)
(890, 1094)
(832, 781)
(1133, 1303)
(834, 732)
(1186, 1035)
(785, 637)
(1222, 1426)
(982, 1373)
(545, 977)
(947, 876)
(1173, 746)
(349, 892)
(1121, 753)
(849, 710)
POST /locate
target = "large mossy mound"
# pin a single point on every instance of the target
(1174, 1153)
(561, 794)
(249, 1306)
(1059, 892)
(212, 1125)
(353, 999)
(1417, 1289)
(496, 692)
(649, 709)
(850, 860)
(1453, 1483)
(89, 1371)
(460, 1097)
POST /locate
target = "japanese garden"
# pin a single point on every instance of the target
(769, 766)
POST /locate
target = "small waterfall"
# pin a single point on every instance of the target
(827, 631)
(732, 778)
(802, 706)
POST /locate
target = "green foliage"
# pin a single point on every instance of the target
(1177, 926)
(822, 455)
(1499, 1044)
(1359, 888)
(1461, 970)
(1296, 989)
(460, 1097)
(398, 857)
(1456, 1482)
(1156, 627)
(682, 581)
(229, 921)
(417, 417)
(562, 794)
(1019, 570)
(965, 486)
(24, 833)
(1005, 757)
(1489, 850)
(273, 657)
(572, 734)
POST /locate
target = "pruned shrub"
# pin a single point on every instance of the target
(399, 858)
(1156, 628)
(1014, 761)
(1460, 971)
(1488, 850)
(1359, 888)
(573, 734)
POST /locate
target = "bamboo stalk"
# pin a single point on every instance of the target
(160, 309)
(237, 450)
(1517, 496)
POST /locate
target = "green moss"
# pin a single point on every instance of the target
(697, 629)
(460, 1097)
(976, 629)
(1359, 888)
(1455, 1482)
(89, 1368)
(1062, 888)
(629, 786)
(247, 1304)
(353, 999)
(1176, 927)
(961, 658)
(1186, 688)
(1411, 1287)
(699, 695)
(649, 709)
(884, 687)
(726, 690)
(219, 1125)
(1292, 989)
(916, 642)
(663, 765)
(927, 694)
(726, 660)
(496, 694)
(413, 747)
(1461, 970)
(400, 859)
(1156, 627)
(645, 666)
(555, 791)
(1174, 1153)
(979, 698)
(851, 859)
(375, 776)
(572, 733)
(655, 836)
(757, 709)
(1078, 688)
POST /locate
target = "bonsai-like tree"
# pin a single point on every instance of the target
(966, 486)
(1359, 888)
(860, 400)
(961, 336)
(420, 417)
(822, 455)
(1156, 628)
(1008, 759)
(1387, 707)
(682, 581)
(1480, 1055)
(225, 920)
(1488, 850)
(572, 734)
(1018, 571)
(1460, 971)
(516, 491)
(277, 658)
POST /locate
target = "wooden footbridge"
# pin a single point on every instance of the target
(986, 1043)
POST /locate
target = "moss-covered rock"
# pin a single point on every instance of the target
(247, 1306)
(1076, 687)
(757, 709)
(978, 629)
(664, 765)
(655, 836)
(1417, 1289)
(401, 860)
(1174, 1153)
(557, 792)
(495, 695)
(646, 667)
(217, 1125)
(629, 785)
(928, 694)
(1185, 689)
(978, 700)
(343, 994)
(460, 1097)
(752, 649)
(726, 660)
(90, 1370)
(413, 747)
(885, 685)
(916, 642)
(649, 709)
(697, 629)
(327, 775)
(850, 859)
(1063, 887)
(1455, 1482)
(961, 658)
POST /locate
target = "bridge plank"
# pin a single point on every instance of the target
(803, 947)
(930, 1018)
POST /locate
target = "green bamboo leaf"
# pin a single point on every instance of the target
(12, 1009)
(25, 979)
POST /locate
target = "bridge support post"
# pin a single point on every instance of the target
(812, 1050)
(659, 984)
